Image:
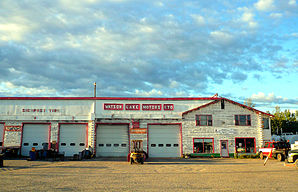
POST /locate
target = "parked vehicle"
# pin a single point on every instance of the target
(279, 150)
(293, 154)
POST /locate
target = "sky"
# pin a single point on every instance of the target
(238, 49)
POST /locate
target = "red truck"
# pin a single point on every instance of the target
(279, 150)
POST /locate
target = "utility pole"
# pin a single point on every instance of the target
(94, 89)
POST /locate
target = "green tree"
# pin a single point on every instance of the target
(285, 122)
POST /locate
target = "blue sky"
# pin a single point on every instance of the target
(238, 49)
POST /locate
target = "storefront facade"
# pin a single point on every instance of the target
(169, 127)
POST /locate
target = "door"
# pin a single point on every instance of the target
(1, 134)
(34, 135)
(224, 148)
(72, 138)
(112, 140)
(164, 140)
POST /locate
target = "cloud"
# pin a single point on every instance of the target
(292, 2)
(272, 98)
(9, 89)
(276, 15)
(151, 93)
(132, 49)
(264, 5)
(198, 19)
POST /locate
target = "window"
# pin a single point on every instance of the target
(82, 144)
(243, 120)
(35, 144)
(245, 145)
(108, 145)
(265, 123)
(63, 144)
(100, 145)
(222, 102)
(72, 144)
(160, 145)
(26, 144)
(204, 120)
(153, 145)
(1, 143)
(203, 145)
(123, 145)
(168, 145)
(116, 145)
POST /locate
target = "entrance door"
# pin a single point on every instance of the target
(112, 140)
(164, 140)
(224, 148)
(73, 138)
(1, 134)
(34, 135)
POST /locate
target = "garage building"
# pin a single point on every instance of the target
(169, 127)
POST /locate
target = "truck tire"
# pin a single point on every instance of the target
(280, 157)
(296, 164)
(261, 155)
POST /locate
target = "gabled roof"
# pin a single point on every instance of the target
(216, 100)
(202, 106)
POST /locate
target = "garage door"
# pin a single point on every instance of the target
(164, 140)
(72, 138)
(112, 141)
(34, 135)
(1, 134)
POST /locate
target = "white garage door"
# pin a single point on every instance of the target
(1, 134)
(112, 141)
(34, 135)
(164, 140)
(72, 138)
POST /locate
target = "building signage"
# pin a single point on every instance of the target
(109, 106)
(132, 106)
(151, 107)
(137, 107)
(40, 110)
(13, 128)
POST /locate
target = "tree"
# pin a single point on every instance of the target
(285, 122)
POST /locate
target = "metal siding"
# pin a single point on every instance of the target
(72, 133)
(34, 133)
(164, 134)
(112, 134)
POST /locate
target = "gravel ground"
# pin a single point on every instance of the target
(155, 175)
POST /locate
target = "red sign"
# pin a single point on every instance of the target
(168, 107)
(134, 107)
(137, 107)
(113, 106)
(151, 107)
(135, 124)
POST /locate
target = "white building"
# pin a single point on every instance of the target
(169, 127)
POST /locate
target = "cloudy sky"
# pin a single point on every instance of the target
(238, 49)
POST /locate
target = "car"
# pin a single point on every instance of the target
(275, 149)
(293, 156)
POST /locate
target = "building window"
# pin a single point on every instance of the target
(204, 120)
(242, 120)
(203, 145)
(265, 123)
(245, 145)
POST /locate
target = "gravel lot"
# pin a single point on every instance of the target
(155, 175)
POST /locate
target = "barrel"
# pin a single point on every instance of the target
(32, 155)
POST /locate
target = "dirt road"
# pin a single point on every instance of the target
(155, 175)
